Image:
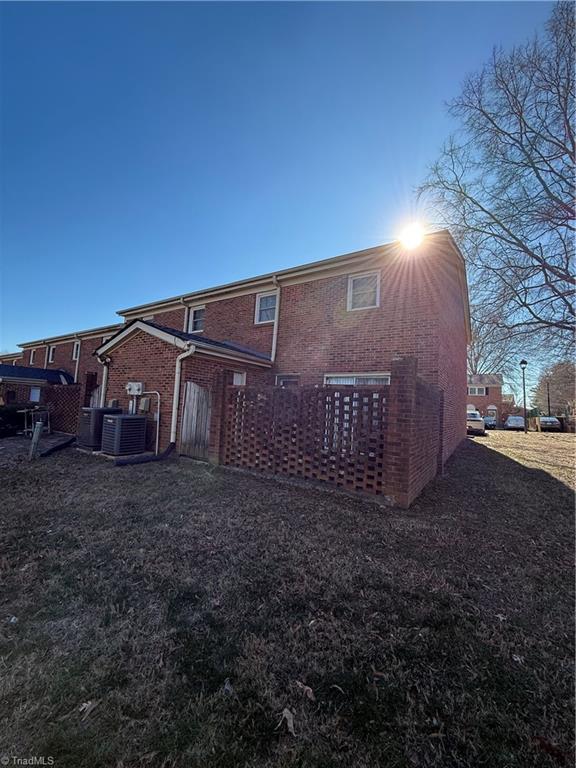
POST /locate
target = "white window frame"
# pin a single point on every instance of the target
(369, 374)
(76, 350)
(191, 311)
(51, 352)
(239, 378)
(35, 399)
(477, 391)
(260, 296)
(351, 279)
(32, 356)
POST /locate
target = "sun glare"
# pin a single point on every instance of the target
(412, 235)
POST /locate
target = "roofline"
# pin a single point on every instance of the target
(198, 346)
(263, 281)
(70, 336)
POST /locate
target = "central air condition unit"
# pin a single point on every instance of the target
(123, 434)
(90, 426)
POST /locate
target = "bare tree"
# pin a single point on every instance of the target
(504, 185)
(558, 381)
(491, 350)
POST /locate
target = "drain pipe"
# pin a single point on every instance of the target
(105, 361)
(276, 316)
(190, 349)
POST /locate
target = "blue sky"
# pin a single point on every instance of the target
(152, 149)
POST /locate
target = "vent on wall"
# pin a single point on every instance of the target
(123, 434)
(90, 426)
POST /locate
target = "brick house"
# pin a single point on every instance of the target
(485, 394)
(11, 358)
(74, 354)
(382, 331)
(337, 322)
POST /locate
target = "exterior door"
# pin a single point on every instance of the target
(195, 434)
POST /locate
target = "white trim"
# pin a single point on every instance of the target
(356, 276)
(76, 349)
(32, 399)
(92, 333)
(476, 392)
(285, 376)
(260, 296)
(51, 352)
(32, 356)
(191, 309)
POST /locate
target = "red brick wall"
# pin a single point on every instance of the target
(227, 320)
(22, 392)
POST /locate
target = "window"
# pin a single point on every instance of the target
(265, 308)
(76, 350)
(239, 379)
(34, 394)
(32, 356)
(477, 391)
(364, 291)
(51, 351)
(10, 396)
(196, 320)
(357, 379)
(287, 380)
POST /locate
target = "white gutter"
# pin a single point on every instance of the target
(176, 396)
(105, 362)
(276, 316)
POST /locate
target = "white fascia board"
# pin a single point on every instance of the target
(141, 326)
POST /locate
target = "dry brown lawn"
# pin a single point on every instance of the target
(177, 615)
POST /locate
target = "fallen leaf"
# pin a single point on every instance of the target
(288, 718)
(306, 690)
(88, 707)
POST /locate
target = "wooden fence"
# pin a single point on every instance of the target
(330, 434)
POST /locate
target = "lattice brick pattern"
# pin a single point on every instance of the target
(329, 434)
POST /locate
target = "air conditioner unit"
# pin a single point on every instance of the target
(90, 426)
(123, 434)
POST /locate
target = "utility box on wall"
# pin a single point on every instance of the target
(134, 388)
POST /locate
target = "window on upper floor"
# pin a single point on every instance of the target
(51, 351)
(265, 308)
(76, 350)
(357, 379)
(32, 356)
(364, 291)
(196, 320)
(477, 391)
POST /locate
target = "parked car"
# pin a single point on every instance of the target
(549, 424)
(514, 422)
(490, 422)
(474, 423)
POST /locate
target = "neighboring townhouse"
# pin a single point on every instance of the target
(338, 322)
(11, 358)
(485, 394)
(73, 353)
(40, 388)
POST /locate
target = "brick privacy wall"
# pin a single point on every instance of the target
(153, 361)
(381, 440)
(63, 400)
(481, 402)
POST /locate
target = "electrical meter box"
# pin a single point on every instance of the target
(134, 388)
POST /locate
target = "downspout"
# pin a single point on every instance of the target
(190, 349)
(105, 361)
(46, 355)
(186, 315)
(276, 316)
(77, 360)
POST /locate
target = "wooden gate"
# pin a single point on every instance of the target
(195, 422)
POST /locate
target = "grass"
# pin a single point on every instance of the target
(174, 614)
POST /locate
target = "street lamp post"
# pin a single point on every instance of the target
(523, 364)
